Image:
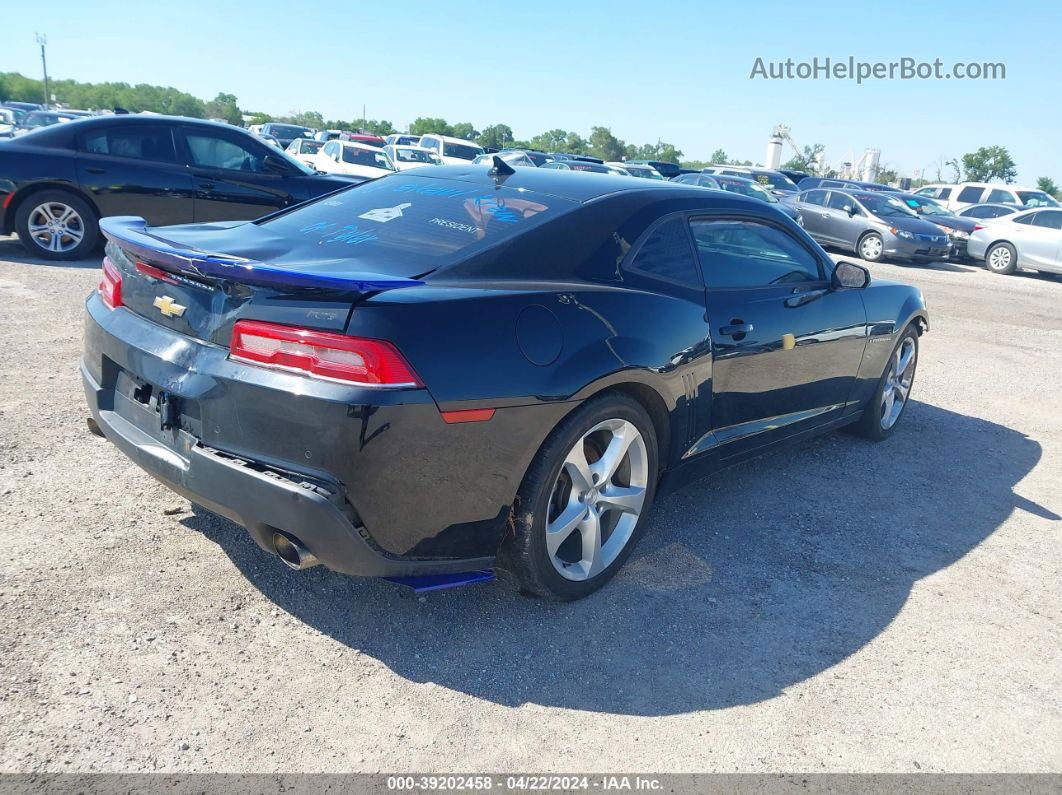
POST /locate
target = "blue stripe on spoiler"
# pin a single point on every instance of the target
(130, 232)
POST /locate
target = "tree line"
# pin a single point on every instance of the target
(984, 165)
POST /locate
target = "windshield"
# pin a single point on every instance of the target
(463, 151)
(40, 119)
(746, 188)
(884, 206)
(1036, 198)
(775, 181)
(307, 147)
(582, 165)
(407, 219)
(286, 130)
(366, 157)
(924, 206)
(415, 155)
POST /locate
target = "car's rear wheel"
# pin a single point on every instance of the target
(1002, 258)
(871, 247)
(55, 224)
(883, 412)
(584, 501)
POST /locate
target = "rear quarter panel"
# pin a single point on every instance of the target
(24, 169)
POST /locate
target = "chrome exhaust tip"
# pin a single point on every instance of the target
(290, 550)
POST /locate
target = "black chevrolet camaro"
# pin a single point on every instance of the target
(58, 181)
(462, 367)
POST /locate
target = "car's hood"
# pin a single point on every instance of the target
(952, 222)
(330, 166)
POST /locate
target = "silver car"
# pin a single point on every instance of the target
(873, 224)
(1027, 239)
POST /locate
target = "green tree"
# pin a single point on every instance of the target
(658, 151)
(496, 136)
(423, 125)
(550, 141)
(1048, 186)
(605, 145)
(719, 157)
(806, 160)
(464, 129)
(695, 165)
(224, 106)
(887, 176)
(305, 118)
(988, 163)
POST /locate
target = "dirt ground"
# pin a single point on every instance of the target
(841, 606)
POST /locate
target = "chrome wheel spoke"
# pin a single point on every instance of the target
(578, 469)
(559, 529)
(55, 243)
(36, 229)
(603, 470)
(625, 499)
(66, 214)
(590, 530)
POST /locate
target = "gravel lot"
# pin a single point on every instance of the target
(841, 606)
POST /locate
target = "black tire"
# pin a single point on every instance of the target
(870, 425)
(1005, 257)
(524, 553)
(879, 256)
(83, 220)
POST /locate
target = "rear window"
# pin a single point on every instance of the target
(286, 130)
(462, 151)
(970, 194)
(433, 220)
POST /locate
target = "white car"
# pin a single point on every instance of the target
(303, 149)
(452, 151)
(955, 197)
(402, 139)
(407, 157)
(1026, 239)
(515, 159)
(350, 157)
(637, 170)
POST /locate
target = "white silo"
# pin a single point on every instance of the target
(871, 158)
(774, 150)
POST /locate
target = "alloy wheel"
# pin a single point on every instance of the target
(999, 259)
(597, 499)
(55, 226)
(898, 383)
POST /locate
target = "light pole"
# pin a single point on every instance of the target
(42, 40)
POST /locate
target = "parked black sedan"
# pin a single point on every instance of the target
(57, 182)
(957, 229)
(454, 368)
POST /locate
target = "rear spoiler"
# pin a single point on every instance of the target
(131, 232)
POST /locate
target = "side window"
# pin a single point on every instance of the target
(1029, 219)
(1000, 196)
(930, 192)
(815, 197)
(1051, 220)
(430, 143)
(666, 255)
(330, 149)
(215, 151)
(831, 183)
(737, 254)
(971, 194)
(136, 141)
(838, 201)
(944, 193)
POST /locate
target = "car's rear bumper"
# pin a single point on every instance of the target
(380, 489)
(915, 249)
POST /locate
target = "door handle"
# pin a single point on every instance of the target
(94, 170)
(737, 328)
(206, 185)
(804, 297)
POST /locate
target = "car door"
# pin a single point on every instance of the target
(233, 177)
(786, 344)
(132, 169)
(1039, 239)
(812, 206)
(847, 220)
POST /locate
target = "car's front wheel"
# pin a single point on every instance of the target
(884, 410)
(584, 501)
(872, 247)
(55, 224)
(1002, 258)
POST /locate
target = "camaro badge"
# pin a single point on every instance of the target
(168, 306)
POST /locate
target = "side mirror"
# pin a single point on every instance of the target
(850, 275)
(275, 164)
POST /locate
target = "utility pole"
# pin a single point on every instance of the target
(42, 40)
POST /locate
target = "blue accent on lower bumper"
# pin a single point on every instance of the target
(436, 582)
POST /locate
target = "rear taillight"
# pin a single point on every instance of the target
(111, 284)
(349, 360)
(977, 227)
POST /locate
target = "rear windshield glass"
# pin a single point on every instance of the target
(461, 151)
(1036, 198)
(436, 221)
(287, 131)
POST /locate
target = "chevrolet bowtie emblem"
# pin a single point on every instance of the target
(168, 306)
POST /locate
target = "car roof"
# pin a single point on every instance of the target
(451, 140)
(570, 185)
(355, 145)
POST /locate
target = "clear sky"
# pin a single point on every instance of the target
(678, 71)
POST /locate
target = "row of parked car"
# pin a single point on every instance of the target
(57, 181)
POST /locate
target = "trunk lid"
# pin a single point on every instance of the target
(177, 278)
